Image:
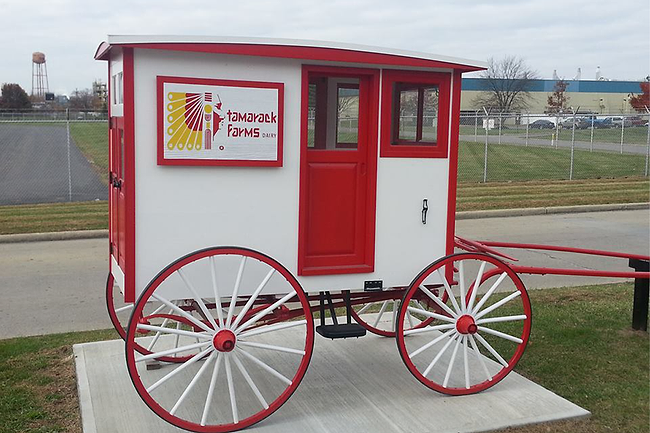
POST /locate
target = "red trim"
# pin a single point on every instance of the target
(129, 184)
(160, 80)
(453, 164)
(565, 249)
(371, 198)
(391, 149)
(110, 163)
(306, 53)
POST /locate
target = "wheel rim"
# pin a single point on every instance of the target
(476, 336)
(380, 317)
(237, 363)
(121, 314)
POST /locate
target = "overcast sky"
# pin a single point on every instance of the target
(552, 34)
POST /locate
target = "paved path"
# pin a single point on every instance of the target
(565, 142)
(34, 167)
(49, 287)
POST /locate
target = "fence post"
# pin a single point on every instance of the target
(591, 140)
(527, 126)
(622, 132)
(485, 158)
(476, 126)
(573, 140)
(500, 120)
(647, 144)
(67, 129)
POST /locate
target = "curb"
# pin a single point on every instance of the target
(500, 213)
(467, 215)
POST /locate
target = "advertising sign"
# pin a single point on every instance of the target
(219, 122)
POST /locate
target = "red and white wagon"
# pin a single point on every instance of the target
(256, 182)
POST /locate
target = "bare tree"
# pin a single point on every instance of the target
(507, 85)
(84, 100)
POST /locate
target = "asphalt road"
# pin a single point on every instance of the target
(58, 286)
(34, 167)
(519, 140)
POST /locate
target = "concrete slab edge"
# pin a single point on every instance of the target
(499, 213)
(88, 424)
(496, 213)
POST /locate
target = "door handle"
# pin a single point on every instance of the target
(425, 209)
(117, 183)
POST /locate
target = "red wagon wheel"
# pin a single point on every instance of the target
(246, 337)
(379, 317)
(120, 314)
(478, 336)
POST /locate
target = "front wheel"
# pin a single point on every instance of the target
(477, 336)
(240, 329)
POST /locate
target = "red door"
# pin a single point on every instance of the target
(117, 188)
(338, 171)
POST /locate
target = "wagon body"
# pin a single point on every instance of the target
(334, 221)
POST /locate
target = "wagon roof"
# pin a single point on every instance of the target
(289, 48)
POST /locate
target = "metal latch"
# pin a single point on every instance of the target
(425, 209)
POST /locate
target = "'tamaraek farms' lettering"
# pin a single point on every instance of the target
(254, 132)
(235, 116)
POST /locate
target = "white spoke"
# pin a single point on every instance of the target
(183, 313)
(213, 381)
(157, 336)
(231, 391)
(439, 355)
(264, 312)
(449, 333)
(438, 301)
(271, 328)
(430, 314)
(381, 313)
(491, 350)
(410, 319)
(252, 299)
(461, 283)
(477, 284)
(480, 357)
(217, 298)
(496, 305)
(453, 359)
(178, 369)
(502, 319)
(250, 382)
(465, 363)
(173, 331)
(271, 347)
(364, 308)
(395, 307)
(124, 308)
(178, 337)
(190, 385)
(501, 335)
(450, 294)
(198, 299)
(429, 329)
(264, 366)
(235, 291)
(489, 292)
(172, 351)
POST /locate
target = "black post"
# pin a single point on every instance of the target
(641, 296)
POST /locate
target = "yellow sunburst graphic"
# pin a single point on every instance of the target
(185, 118)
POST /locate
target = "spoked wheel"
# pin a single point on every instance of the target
(379, 317)
(119, 315)
(477, 336)
(242, 329)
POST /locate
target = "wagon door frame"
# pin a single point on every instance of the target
(338, 180)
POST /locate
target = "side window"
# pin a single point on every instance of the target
(415, 114)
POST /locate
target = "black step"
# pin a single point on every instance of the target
(341, 331)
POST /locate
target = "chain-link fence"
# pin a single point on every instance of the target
(48, 158)
(521, 147)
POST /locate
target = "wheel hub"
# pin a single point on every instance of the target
(466, 325)
(224, 340)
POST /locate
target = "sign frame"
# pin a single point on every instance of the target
(160, 106)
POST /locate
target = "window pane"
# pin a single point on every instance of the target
(311, 115)
(430, 114)
(408, 114)
(347, 118)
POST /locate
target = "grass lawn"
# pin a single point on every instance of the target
(92, 139)
(519, 163)
(56, 217)
(581, 348)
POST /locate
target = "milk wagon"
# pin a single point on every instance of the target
(264, 191)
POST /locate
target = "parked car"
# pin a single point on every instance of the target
(616, 122)
(542, 124)
(598, 123)
(636, 121)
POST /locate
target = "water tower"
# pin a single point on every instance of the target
(40, 84)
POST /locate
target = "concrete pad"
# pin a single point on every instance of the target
(353, 385)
